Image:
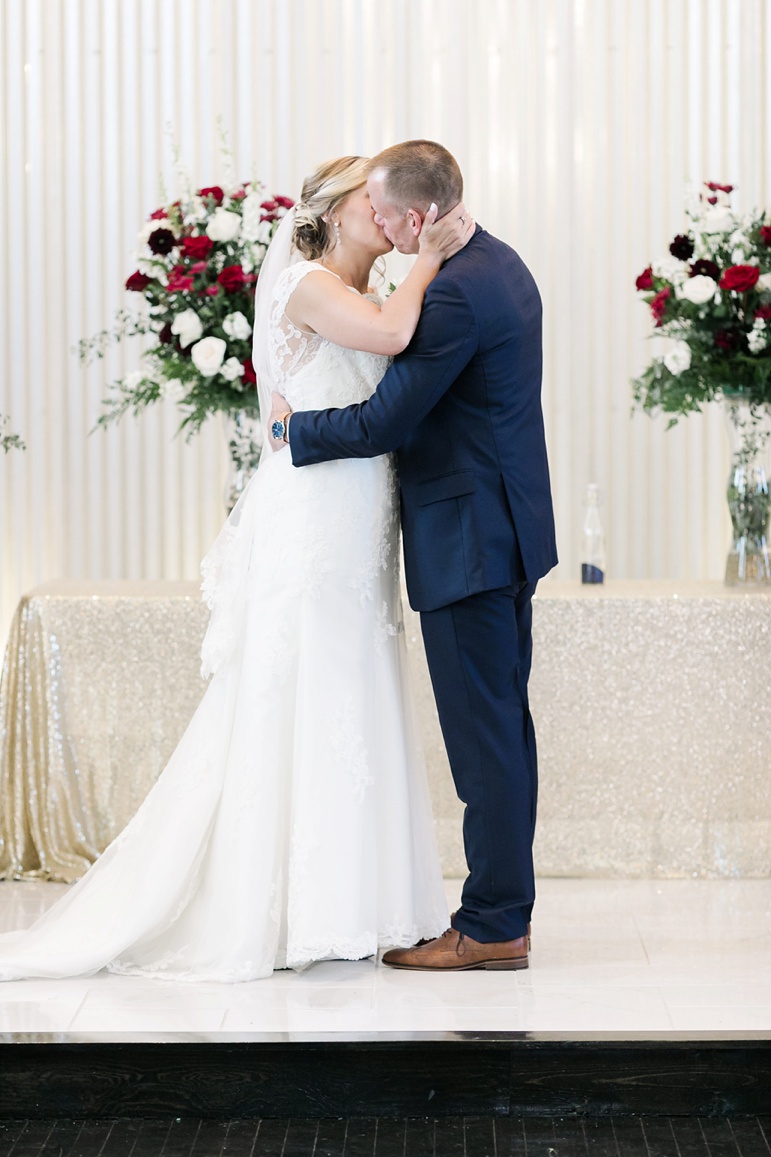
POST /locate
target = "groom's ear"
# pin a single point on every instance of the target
(416, 221)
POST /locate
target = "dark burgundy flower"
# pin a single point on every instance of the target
(249, 376)
(682, 247)
(162, 241)
(740, 278)
(197, 248)
(712, 200)
(765, 234)
(232, 278)
(659, 304)
(727, 339)
(213, 191)
(763, 313)
(137, 282)
(645, 280)
(165, 334)
(705, 268)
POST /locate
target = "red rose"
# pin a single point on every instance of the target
(712, 200)
(212, 191)
(269, 205)
(249, 376)
(232, 278)
(645, 280)
(765, 234)
(137, 282)
(285, 202)
(715, 188)
(659, 304)
(763, 313)
(238, 196)
(740, 278)
(197, 248)
(158, 215)
(179, 281)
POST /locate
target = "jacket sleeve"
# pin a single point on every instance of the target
(444, 343)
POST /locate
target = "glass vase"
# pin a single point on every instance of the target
(244, 434)
(749, 434)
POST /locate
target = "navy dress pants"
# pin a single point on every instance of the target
(479, 653)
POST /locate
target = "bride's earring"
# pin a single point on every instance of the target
(336, 226)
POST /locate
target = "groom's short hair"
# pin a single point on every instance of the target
(417, 173)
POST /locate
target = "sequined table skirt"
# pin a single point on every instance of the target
(651, 704)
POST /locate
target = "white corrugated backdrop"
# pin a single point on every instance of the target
(577, 123)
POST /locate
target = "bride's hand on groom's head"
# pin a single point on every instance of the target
(447, 236)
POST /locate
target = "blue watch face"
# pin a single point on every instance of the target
(278, 429)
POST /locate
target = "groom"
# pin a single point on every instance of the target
(462, 409)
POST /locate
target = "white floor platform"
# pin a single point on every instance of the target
(608, 956)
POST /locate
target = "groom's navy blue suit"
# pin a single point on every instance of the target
(462, 409)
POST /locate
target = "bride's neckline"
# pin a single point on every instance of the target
(368, 292)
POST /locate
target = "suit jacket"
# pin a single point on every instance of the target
(462, 409)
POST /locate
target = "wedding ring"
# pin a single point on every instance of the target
(462, 220)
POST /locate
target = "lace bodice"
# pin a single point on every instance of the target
(310, 371)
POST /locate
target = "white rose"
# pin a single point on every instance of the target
(187, 326)
(670, 269)
(764, 283)
(232, 369)
(207, 355)
(235, 325)
(678, 358)
(699, 290)
(224, 226)
(173, 389)
(756, 340)
(718, 219)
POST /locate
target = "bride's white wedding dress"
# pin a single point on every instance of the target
(293, 822)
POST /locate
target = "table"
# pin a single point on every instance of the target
(651, 703)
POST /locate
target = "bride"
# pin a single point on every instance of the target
(292, 823)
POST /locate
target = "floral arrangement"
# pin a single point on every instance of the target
(711, 294)
(198, 261)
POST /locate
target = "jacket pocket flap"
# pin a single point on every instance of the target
(447, 486)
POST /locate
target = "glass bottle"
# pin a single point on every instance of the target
(593, 543)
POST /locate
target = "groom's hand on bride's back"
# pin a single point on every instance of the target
(278, 423)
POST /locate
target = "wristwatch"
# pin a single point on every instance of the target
(279, 428)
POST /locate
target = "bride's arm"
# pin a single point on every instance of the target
(324, 305)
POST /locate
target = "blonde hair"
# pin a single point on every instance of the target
(323, 191)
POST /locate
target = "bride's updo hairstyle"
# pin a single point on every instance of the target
(323, 191)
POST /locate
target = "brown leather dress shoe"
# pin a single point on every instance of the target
(455, 952)
(420, 943)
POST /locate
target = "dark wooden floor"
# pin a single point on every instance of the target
(389, 1137)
